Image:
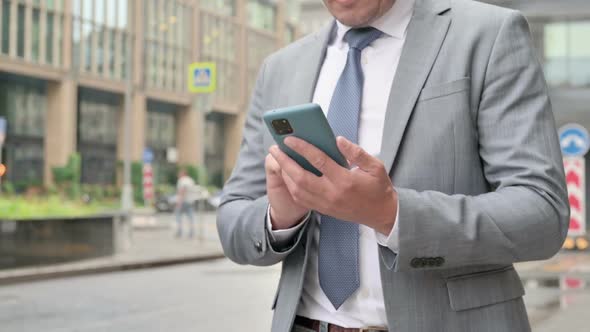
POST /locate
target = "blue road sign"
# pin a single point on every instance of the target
(202, 77)
(148, 156)
(2, 129)
(574, 140)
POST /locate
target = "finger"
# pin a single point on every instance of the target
(316, 157)
(357, 156)
(299, 175)
(299, 195)
(271, 165)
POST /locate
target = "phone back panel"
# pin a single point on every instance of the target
(310, 124)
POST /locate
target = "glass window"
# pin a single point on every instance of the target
(20, 37)
(161, 135)
(167, 43)
(579, 70)
(99, 12)
(293, 11)
(87, 8)
(87, 40)
(109, 28)
(225, 7)
(112, 50)
(261, 14)
(76, 42)
(161, 129)
(567, 53)
(98, 112)
(123, 56)
(97, 136)
(122, 14)
(5, 26)
(23, 102)
(59, 35)
(36, 38)
(214, 148)
(49, 37)
(55, 4)
(110, 8)
(76, 8)
(100, 51)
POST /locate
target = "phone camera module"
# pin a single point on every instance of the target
(282, 127)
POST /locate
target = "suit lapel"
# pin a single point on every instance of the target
(310, 63)
(425, 36)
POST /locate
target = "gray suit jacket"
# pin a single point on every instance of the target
(471, 146)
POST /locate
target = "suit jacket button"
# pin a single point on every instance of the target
(416, 263)
(258, 245)
(439, 261)
(431, 262)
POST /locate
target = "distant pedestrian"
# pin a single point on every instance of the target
(184, 202)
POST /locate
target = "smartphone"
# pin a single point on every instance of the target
(309, 123)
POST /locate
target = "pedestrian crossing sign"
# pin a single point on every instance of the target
(202, 77)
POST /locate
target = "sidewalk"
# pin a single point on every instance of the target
(152, 244)
(557, 294)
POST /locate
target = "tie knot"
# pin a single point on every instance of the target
(359, 38)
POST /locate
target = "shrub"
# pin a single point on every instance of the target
(8, 188)
(198, 173)
(137, 181)
(67, 177)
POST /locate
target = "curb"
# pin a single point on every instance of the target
(106, 269)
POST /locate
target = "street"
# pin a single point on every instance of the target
(213, 296)
(222, 296)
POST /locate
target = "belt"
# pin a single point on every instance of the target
(314, 325)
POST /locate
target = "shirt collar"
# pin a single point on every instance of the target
(393, 23)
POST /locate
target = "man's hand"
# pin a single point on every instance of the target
(363, 194)
(284, 211)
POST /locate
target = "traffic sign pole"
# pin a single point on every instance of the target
(575, 143)
(202, 80)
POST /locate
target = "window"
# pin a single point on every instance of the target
(100, 36)
(40, 41)
(23, 102)
(98, 112)
(20, 37)
(5, 26)
(161, 135)
(224, 7)
(219, 44)
(167, 43)
(567, 53)
(214, 148)
(261, 14)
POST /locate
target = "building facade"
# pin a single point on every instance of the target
(314, 15)
(64, 69)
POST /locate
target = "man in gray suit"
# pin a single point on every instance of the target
(443, 110)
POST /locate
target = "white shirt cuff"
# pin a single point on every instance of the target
(283, 237)
(391, 241)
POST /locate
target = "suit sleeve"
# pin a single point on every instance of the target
(241, 217)
(525, 215)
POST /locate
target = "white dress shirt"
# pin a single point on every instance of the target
(379, 62)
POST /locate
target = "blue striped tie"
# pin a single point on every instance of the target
(339, 240)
